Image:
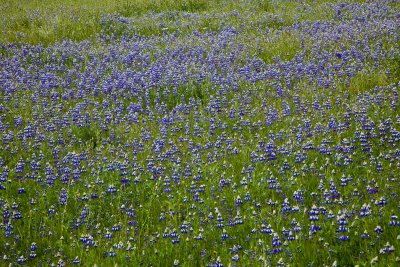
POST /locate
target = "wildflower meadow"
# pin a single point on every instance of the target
(199, 133)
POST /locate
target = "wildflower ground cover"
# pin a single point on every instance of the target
(200, 133)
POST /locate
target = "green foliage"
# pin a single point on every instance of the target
(393, 66)
(87, 136)
(139, 7)
(363, 82)
(49, 21)
(285, 46)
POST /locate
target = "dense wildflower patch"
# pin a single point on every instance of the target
(250, 141)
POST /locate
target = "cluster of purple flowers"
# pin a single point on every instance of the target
(198, 137)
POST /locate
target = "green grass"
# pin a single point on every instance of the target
(50, 21)
(284, 45)
(47, 22)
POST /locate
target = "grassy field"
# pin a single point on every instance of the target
(199, 133)
(47, 22)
